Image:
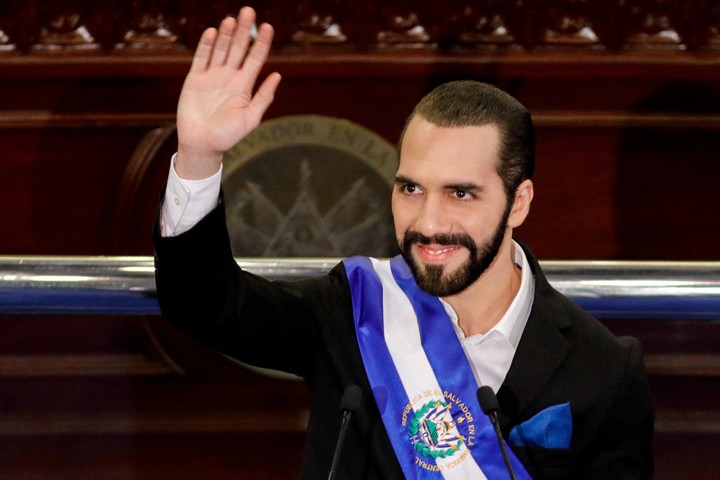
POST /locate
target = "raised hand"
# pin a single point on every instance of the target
(217, 107)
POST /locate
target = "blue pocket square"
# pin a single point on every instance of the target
(550, 428)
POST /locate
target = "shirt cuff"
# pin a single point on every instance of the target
(187, 202)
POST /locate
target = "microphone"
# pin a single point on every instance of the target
(349, 404)
(490, 407)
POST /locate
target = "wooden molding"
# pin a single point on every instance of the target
(81, 365)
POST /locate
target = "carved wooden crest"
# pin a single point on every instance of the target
(310, 186)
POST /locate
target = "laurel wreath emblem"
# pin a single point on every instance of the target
(420, 446)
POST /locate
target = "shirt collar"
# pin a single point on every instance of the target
(513, 322)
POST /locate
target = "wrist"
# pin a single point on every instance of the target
(194, 165)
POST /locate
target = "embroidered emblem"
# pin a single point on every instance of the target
(435, 431)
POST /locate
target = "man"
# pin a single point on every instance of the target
(462, 307)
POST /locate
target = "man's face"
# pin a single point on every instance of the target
(449, 204)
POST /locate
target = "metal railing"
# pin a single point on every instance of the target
(126, 285)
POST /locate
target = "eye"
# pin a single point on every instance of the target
(410, 189)
(463, 195)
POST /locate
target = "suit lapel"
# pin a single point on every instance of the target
(540, 352)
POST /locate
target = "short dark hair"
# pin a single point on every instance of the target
(467, 103)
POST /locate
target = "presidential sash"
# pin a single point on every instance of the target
(420, 377)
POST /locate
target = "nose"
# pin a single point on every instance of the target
(432, 217)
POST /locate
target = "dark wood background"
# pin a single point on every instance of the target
(626, 99)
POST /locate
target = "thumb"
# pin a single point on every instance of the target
(264, 96)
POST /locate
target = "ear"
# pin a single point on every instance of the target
(521, 205)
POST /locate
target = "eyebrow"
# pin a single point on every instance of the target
(465, 186)
(468, 187)
(402, 179)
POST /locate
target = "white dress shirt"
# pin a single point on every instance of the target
(490, 354)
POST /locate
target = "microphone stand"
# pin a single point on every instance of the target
(349, 404)
(490, 406)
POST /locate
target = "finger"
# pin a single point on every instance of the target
(258, 54)
(204, 50)
(242, 37)
(223, 41)
(265, 95)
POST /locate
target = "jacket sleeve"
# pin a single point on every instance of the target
(203, 291)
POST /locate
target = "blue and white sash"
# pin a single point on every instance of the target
(421, 379)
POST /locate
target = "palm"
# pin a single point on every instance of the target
(213, 112)
(217, 107)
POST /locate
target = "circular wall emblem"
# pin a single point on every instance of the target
(310, 186)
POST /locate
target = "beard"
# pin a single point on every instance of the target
(432, 279)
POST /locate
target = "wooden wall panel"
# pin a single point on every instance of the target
(88, 397)
(601, 135)
(126, 398)
(597, 156)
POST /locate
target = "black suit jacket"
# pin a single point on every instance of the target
(306, 328)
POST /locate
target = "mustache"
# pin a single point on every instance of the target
(412, 237)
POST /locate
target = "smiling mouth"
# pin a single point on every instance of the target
(436, 252)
